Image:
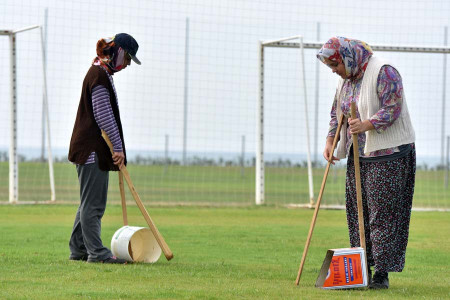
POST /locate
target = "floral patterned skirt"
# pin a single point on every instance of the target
(387, 192)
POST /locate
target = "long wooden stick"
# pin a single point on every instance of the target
(122, 197)
(319, 199)
(159, 238)
(362, 235)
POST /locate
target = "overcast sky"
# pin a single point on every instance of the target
(223, 68)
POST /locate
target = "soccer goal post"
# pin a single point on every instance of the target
(432, 156)
(13, 149)
(260, 164)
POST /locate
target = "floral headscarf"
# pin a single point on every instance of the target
(110, 55)
(354, 54)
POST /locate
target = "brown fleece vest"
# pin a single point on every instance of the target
(86, 135)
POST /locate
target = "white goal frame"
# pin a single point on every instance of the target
(260, 168)
(13, 154)
(287, 43)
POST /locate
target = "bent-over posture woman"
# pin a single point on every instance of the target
(386, 149)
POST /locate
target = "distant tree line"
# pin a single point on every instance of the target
(220, 162)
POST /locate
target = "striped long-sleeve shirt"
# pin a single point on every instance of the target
(104, 116)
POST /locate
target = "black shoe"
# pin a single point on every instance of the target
(82, 257)
(380, 280)
(369, 272)
(109, 260)
(114, 260)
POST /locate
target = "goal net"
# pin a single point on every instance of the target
(190, 111)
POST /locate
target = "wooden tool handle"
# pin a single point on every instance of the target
(159, 238)
(121, 187)
(319, 199)
(362, 235)
(122, 197)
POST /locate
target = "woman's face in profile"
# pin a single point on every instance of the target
(338, 68)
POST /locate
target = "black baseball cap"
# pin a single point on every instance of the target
(129, 44)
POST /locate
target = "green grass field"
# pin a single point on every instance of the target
(219, 253)
(210, 184)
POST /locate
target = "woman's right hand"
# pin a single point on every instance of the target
(327, 150)
(119, 159)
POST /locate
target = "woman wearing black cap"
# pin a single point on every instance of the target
(98, 110)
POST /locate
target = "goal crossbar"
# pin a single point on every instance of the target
(387, 48)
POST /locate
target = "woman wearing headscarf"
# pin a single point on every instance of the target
(386, 149)
(98, 110)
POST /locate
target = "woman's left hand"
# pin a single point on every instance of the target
(356, 126)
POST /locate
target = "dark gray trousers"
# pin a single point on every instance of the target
(86, 233)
